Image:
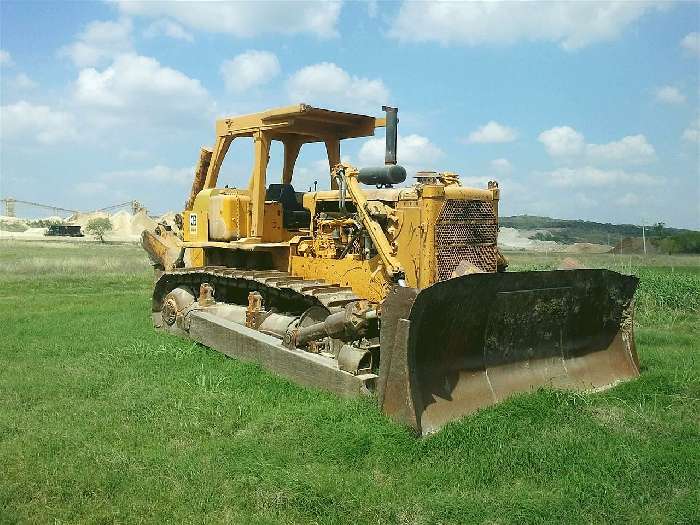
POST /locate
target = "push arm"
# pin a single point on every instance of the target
(347, 178)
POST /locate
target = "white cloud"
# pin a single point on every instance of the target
(628, 199)
(25, 121)
(317, 170)
(633, 149)
(414, 152)
(585, 201)
(167, 28)
(91, 188)
(158, 173)
(692, 132)
(121, 184)
(491, 133)
(670, 95)
(478, 181)
(5, 58)
(589, 176)
(562, 141)
(138, 89)
(23, 82)
(502, 166)
(250, 69)
(244, 19)
(99, 42)
(130, 154)
(322, 166)
(372, 8)
(566, 142)
(573, 25)
(328, 85)
(691, 42)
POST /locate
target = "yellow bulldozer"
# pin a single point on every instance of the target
(374, 286)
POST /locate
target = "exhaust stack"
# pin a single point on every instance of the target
(392, 121)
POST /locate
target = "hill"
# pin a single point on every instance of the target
(673, 240)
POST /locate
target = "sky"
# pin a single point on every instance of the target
(580, 110)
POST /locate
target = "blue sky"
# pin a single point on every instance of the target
(579, 110)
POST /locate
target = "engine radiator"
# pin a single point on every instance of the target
(466, 230)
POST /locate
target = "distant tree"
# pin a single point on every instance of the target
(658, 228)
(561, 237)
(99, 227)
(43, 223)
(687, 242)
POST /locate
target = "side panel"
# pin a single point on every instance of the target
(194, 257)
(272, 222)
(196, 226)
(195, 229)
(408, 240)
(364, 277)
(228, 216)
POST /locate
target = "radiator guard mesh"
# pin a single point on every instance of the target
(466, 230)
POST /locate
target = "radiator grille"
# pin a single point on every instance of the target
(465, 230)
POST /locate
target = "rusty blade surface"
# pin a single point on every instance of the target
(473, 341)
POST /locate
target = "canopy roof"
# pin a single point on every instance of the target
(302, 122)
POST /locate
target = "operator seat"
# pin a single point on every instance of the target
(294, 215)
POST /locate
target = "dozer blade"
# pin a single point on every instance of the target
(472, 341)
(162, 250)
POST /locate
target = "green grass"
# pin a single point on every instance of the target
(104, 420)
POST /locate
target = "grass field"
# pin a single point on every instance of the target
(103, 420)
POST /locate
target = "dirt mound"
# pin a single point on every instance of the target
(11, 220)
(569, 263)
(587, 247)
(125, 226)
(141, 221)
(513, 239)
(168, 216)
(83, 218)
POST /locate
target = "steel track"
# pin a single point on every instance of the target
(280, 290)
